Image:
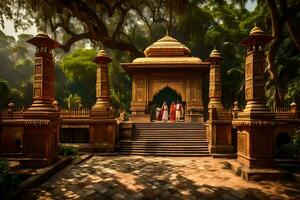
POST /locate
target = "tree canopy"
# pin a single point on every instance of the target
(127, 27)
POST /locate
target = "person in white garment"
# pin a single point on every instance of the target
(164, 111)
(158, 114)
(179, 110)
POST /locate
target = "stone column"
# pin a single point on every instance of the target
(255, 123)
(102, 106)
(103, 126)
(215, 82)
(41, 120)
(219, 122)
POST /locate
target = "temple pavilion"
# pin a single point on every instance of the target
(168, 73)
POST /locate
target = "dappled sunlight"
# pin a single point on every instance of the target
(137, 177)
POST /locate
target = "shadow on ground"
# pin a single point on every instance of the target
(156, 178)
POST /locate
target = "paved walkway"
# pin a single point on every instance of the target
(137, 177)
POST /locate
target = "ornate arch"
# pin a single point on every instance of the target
(155, 86)
(164, 87)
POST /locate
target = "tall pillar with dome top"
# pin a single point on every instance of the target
(255, 124)
(41, 121)
(219, 121)
(103, 126)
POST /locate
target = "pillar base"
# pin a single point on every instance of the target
(199, 118)
(255, 143)
(139, 118)
(257, 174)
(41, 109)
(37, 162)
(103, 135)
(40, 142)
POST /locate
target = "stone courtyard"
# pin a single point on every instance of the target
(138, 177)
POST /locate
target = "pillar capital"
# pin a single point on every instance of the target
(102, 57)
(256, 40)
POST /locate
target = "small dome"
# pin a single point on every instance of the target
(257, 31)
(293, 104)
(167, 47)
(215, 53)
(43, 35)
(102, 55)
(11, 104)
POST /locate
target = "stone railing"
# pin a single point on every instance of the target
(15, 113)
(281, 109)
(75, 113)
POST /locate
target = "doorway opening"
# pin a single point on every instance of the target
(166, 94)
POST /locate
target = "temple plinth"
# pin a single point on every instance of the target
(102, 106)
(167, 64)
(219, 122)
(255, 124)
(41, 120)
(103, 126)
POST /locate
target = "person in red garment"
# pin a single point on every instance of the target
(173, 112)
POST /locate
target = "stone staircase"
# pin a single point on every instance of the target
(166, 139)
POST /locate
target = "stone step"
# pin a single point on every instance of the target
(169, 137)
(169, 132)
(201, 142)
(166, 153)
(169, 125)
(170, 128)
(161, 149)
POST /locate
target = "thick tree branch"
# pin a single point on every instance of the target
(95, 28)
(67, 46)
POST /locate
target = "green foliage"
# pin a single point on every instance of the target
(68, 151)
(4, 93)
(73, 101)
(202, 24)
(8, 179)
(293, 148)
(80, 72)
(120, 84)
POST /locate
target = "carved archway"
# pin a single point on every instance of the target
(167, 94)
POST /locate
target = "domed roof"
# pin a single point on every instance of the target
(102, 56)
(167, 47)
(257, 31)
(215, 53)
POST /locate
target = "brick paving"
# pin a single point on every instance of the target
(138, 177)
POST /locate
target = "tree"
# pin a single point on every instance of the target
(80, 72)
(4, 93)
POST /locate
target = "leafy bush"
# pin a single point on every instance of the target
(293, 148)
(68, 151)
(8, 179)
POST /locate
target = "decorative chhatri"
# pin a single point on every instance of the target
(168, 64)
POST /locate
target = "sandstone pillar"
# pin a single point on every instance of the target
(41, 120)
(103, 126)
(255, 124)
(219, 122)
